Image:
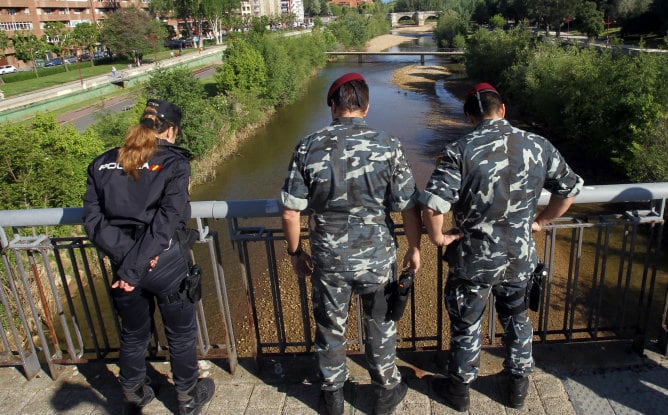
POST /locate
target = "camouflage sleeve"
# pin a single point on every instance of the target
(403, 192)
(559, 178)
(294, 194)
(442, 190)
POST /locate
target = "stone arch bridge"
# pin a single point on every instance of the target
(418, 17)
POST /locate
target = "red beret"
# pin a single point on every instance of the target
(482, 87)
(351, 76)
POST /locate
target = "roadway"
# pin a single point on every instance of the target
(24, 105)
(87, 116)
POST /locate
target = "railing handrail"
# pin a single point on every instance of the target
(218, 209)
(433, 53)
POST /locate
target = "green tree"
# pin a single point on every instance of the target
(551, 13)
(243, 69)
(156, 32)
(313, 7)
(489, 53)
(200, 123)
(497, 21)
(215, 12)
(448, 27)
(590, 18)
(43, 164)
(86, 36)
(125, 31)
(55, 34)
(28, 47)
(4, 43)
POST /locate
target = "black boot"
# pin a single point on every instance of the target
(519, 388)
(455, 394)
(192, 400)
(333, 401)
(136, 397)
(388, 399)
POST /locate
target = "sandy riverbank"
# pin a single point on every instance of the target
(380, 43)
(417, 78)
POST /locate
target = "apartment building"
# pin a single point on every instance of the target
(349, 3)
(32, 15)
(257, 8)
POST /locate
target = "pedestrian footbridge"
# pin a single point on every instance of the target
(607, 280)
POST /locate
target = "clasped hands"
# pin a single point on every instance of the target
(126, 286)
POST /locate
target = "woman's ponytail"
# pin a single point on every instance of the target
(141, 141)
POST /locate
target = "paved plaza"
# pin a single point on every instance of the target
(601, 378)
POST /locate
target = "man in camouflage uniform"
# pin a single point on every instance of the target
(349, 177)
(492, 179)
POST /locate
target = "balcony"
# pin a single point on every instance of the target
(607, 280)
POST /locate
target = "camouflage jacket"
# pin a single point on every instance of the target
(350, 177)
(492, 179)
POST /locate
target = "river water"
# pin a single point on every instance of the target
(258, 169)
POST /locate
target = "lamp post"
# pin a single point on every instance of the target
(74, 49)
(608, 21)
(568, 21)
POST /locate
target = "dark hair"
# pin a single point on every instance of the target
(140, 142)
(351, 96)
(483, 103)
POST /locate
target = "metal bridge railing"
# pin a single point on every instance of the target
(606, 280)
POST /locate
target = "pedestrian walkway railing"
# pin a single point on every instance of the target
(607, 280)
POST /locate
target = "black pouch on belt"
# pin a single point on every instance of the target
(399, 293)
(192, 285)
(535, 288)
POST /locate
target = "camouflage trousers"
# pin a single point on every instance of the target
(466, 302)
(332, 293)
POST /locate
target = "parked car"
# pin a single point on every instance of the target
(179, 43)
(72, 59)
(7, 69)
(54, 62)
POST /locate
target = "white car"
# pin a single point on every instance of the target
(7, 69)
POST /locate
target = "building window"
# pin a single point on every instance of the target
(11, 26)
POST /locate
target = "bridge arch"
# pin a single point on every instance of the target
(418, 17)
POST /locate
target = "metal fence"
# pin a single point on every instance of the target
(606, 280)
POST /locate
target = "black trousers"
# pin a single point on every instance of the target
(136, 309)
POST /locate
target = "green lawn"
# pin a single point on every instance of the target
(26, 81)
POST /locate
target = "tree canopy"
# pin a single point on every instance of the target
(28, 47)
(127, 31)
(86, 35)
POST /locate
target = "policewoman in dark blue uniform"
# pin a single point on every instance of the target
(136, 199)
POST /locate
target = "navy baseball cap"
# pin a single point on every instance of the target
(166, 111)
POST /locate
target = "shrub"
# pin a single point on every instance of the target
(44, 163)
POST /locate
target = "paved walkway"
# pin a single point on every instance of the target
(577, 379)
(93, 82)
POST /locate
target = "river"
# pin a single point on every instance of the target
(258, 169)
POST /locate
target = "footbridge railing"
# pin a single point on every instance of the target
(607, 280)
(362, 55)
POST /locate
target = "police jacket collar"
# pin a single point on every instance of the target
(173, 147)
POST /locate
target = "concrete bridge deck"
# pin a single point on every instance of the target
(602, 379)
